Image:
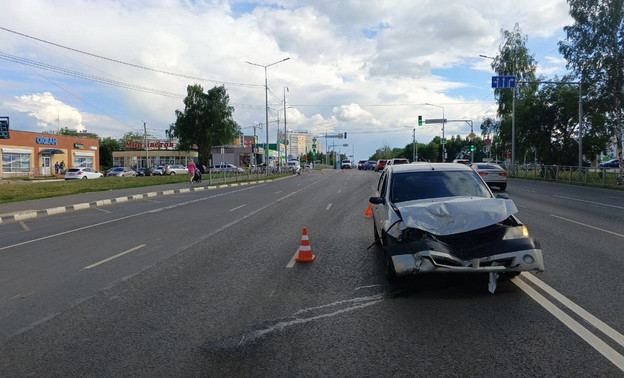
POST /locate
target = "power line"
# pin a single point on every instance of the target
(128, 64)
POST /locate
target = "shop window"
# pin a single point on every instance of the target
(15, 162)
(83, 161)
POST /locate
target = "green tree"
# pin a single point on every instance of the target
(107, 146)
(594, 50)
(206, 121)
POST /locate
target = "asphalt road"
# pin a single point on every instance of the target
(203, 283)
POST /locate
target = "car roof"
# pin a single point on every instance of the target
(422, 167)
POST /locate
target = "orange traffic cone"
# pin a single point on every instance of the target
(305, 252)
(369, 211)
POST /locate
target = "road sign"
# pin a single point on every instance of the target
(436, 120)
(4, 128)
(503, 81)
(472, 135)
(443, 140)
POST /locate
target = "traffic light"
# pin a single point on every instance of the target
(419, 120)
(472, 147)
(345, 135)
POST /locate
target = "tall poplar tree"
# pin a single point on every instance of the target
(594, 50)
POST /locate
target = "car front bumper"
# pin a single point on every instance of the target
(427, 261)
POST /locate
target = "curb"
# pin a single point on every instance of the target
(16, 217)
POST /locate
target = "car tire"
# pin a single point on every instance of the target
(84, 177)
(172, 174)
(376, 235)
(502, 186)
(390, 271)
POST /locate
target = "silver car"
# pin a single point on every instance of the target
(82, 173)
(492, 174)
(121, 172)
(440, 217)
(176, 169)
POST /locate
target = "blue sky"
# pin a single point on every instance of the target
(362, 67)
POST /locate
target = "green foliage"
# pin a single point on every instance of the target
(206, 121)
(107, 146)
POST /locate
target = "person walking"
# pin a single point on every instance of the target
(191, 168)
(56, 168)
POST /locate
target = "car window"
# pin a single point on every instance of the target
(384, 186)
(411, 186)
(380, 182)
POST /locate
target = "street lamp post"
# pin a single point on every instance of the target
(443, 123)
(266, 101)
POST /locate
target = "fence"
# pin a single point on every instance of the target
(592, 176)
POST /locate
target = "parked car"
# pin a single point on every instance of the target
(159, 170)
(82, 173)
(144, 172)
(441, 217)
(226, 167)
(121, 172)
(370, 165)
(613, 163)
(176, 169)
(492, 174)
(381, 164)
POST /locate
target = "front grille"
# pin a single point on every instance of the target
(473, 244)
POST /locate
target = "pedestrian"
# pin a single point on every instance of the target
(62, 166)
(191, 169)
(56, 168)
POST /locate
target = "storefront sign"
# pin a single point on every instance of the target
(150, 145)
(46, 141)
(79, 145)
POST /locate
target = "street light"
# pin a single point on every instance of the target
(266, 101)
(443, 122)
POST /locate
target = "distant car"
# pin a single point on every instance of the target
(176, 169)
(492, 174)
(159, 170)
(227, 168)
(345, 164)
(442, 217)
(396, 161)
(121, 172)
(381, 164)
(144, 172)
(613, 163)
(294, 166)
(360, 165)
(462, 161)
(370, 165)
(82, 173)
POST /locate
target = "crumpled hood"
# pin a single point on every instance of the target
(455, 215)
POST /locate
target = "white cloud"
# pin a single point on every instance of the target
(48, 112)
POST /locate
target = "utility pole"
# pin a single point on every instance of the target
(146, 150)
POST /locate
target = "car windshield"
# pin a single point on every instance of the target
(411, 186)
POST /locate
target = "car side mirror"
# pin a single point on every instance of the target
(376, 200)
(502, 195)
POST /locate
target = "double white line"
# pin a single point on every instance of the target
(603, 348)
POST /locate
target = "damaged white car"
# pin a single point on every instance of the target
(441, 217)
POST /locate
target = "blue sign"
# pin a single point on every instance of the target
(49, 141)
(503, 81)
(4, 128)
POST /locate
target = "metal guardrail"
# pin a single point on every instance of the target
(592, 176)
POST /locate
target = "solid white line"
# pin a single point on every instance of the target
(114, 257)
(292, 261)
(593, 340)
(591, 319)
(588, 226)
(328, 206)
(238, 207)
(592, 202)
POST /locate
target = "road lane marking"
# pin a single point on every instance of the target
(238, 207)
(104, 211)
(591, 319)
(292, 261)
(591, 202)
(593, 340)
(114, 257)
(588, 226)
(328, 206)
(26, 228)
(339, 190)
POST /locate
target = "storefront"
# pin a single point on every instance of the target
(157, 153)
(30, 154)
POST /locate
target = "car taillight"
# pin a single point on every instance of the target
(79, 172)
(482, 173)
(503, 173)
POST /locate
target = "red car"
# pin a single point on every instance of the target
(381, 164)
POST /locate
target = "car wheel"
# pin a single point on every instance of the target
(390, 271)
(172, 173)
(84, 177)
(502, 186)
(376, 235)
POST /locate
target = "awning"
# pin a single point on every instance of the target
(84, 154)
(51, 151)
(16, 151)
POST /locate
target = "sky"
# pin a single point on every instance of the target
(367, 68)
